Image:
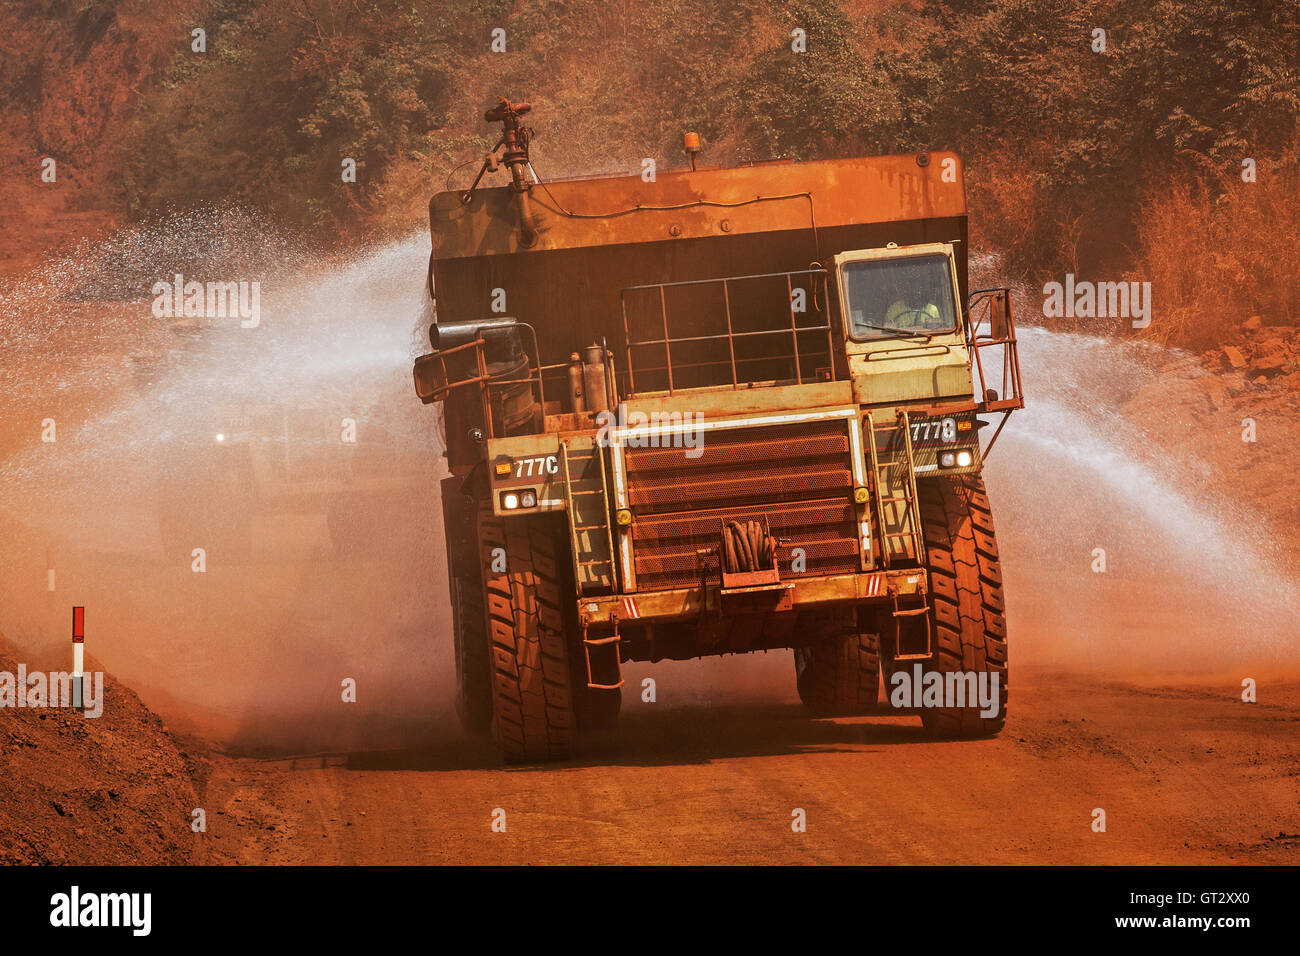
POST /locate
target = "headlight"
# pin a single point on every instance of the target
(516, 500)
(964, 459)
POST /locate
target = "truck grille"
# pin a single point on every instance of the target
(798, 476)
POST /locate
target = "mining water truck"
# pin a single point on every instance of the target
(713, 411)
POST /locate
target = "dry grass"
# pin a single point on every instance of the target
(1009, 211)
(1217, 251)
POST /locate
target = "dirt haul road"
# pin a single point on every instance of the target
(1184, 775)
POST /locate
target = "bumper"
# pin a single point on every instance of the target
(685, 604)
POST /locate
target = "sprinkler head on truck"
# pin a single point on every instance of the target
(726, 410)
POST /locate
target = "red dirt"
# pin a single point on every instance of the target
(1186, 775)
(107, 790)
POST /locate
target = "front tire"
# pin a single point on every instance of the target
(968, 613)
(532, 696)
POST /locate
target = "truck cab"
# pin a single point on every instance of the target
(903, 334)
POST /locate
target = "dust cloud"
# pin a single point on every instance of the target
(324, 558)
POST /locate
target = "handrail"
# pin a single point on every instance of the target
(731, 335)
(1009, 395)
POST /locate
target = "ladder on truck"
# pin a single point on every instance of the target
(898, 516)
(894, 476)
(590, 534)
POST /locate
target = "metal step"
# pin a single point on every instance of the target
(608, 644)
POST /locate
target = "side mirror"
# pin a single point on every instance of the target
(1000, 315)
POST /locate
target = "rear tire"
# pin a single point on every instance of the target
(839, 677)
(968, 613)
(473, 665)
(532, 697)
(469, 625)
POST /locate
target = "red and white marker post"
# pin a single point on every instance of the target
(78, 653)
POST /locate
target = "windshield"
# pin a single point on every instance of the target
(898, 297)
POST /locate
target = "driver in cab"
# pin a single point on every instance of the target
(903, 316)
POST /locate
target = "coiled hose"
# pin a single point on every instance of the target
(747, 547)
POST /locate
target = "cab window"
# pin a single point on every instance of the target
(890, 298)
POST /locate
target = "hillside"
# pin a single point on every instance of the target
(109, 790)
(1117, 156)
